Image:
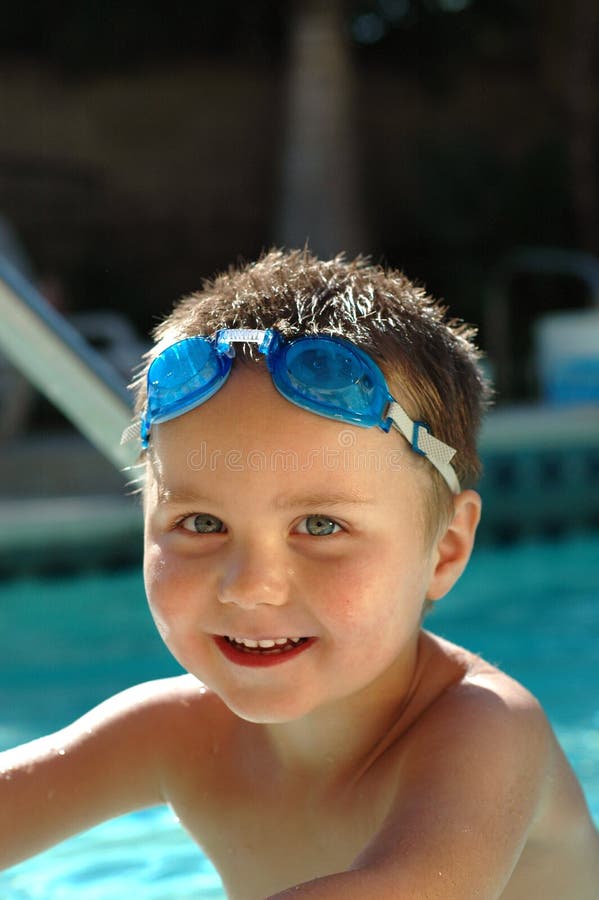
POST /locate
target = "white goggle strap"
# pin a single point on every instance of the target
(131, 432)
(423, 442)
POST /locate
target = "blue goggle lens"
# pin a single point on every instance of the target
(325, 375)
(182, 376)
(332, 378)
(312, 368)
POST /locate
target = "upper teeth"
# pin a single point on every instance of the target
(269, 642)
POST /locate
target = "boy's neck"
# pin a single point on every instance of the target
(340, 741)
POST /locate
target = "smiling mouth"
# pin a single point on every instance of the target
(266, 647)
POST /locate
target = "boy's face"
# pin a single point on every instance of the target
(264, 521)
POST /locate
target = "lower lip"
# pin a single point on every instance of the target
(259, 660)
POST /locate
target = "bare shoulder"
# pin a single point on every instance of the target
(495, 727)
(472, 776)
(164, 694)
(164, 710)
(483, 689)
(110, 761)
(131, 730)
(183, 724)
(149, 705)
(501, 755)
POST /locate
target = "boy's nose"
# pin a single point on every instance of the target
(253, 580)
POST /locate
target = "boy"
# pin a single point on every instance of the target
(299, 517)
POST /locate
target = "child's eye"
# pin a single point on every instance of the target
(203, 523)
(318, 525)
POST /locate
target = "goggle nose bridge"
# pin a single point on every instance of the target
(226, 337)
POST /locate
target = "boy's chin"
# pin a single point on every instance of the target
(268, 713)
(264, 718)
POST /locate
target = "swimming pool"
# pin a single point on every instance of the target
(67, 644)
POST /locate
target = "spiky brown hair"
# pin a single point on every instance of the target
(431, 362)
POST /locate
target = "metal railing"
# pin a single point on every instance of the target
(55, 358)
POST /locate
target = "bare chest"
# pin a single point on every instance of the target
(262, 838)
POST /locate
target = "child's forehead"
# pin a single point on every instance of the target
(249, 409)
(249, 438)
(249, 412)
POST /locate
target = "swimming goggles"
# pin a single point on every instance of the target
(323, 374)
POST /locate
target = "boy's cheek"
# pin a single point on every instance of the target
(164, 576)
(167, 597)
(154, 566)
(177, 585)
(162, 583)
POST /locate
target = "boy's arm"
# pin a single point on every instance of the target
(470, 786)
(103, 765)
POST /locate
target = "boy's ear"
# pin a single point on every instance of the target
(453, 548)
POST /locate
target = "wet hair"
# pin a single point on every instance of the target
(431, 363)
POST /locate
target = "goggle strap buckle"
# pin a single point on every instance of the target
(425, 444)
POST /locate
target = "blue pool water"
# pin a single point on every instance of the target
(68, 644)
